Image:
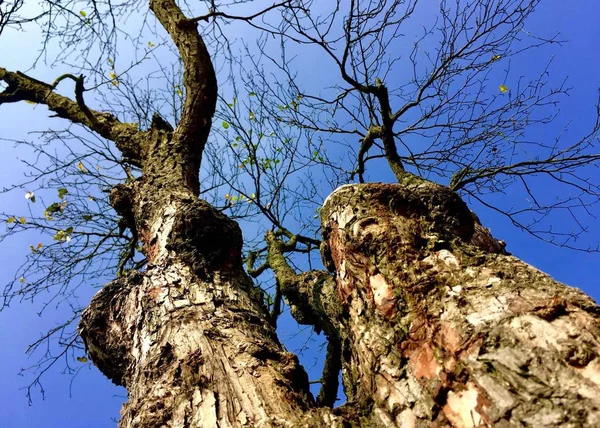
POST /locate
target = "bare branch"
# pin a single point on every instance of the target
(24, 88)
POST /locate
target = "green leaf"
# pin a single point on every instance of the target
(82, 13)
(53, 208)
(225, 125)
(63, 235)
(62, 192)
(503, 89)
(82, 359)
(252, 94)
(87, 217)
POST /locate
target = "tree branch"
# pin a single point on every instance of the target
(313, 301)
(199, 77)
(214, 14)
(25, 88)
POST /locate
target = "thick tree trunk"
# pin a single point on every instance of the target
(441, 327)
(437, 325)
(193, 353)
(189, 337)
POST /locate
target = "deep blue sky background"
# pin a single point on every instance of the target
(90, 400)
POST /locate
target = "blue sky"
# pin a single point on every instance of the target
(89, 400)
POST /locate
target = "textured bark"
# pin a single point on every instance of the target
(440, 327)
(431, 321)
(437, 325)
(189, 337)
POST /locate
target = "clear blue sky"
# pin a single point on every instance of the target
(90, 400)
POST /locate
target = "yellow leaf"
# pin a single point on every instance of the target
(151, 45)
(11, 220)
(496, 57)
(82, 359)
(503, 89)
(81, 167)
(114, 80)
(40, 245)
(30, 102)
(22, 220)
(91, 198)
(82, 13)
(22, 279)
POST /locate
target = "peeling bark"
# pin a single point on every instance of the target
(437, 325)
(441, 327)
(192, 353)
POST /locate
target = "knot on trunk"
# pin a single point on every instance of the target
(121, 199)
(415, 214)
(107, 341)
(205, 239)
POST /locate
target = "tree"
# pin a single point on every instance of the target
(427, 316)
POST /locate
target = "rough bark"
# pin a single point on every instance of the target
(189, 337)
(431, 321)
(440, 327)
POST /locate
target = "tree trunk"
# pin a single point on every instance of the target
(437, 325)
(441, 327)
(189, 337)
